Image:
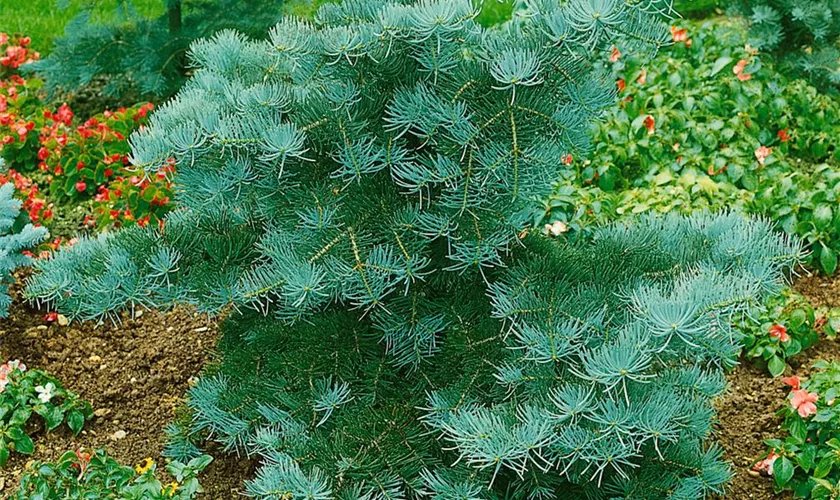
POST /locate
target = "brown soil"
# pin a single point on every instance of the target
(747, 413)
(134, 374)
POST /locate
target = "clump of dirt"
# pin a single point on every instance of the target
(747, 412)
(135, 375)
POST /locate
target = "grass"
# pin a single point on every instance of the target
(43, 20)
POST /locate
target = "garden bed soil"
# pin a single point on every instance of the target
(747, 412)
(135, 375)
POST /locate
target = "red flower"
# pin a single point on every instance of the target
(51, 317)
(679, 35)
(650, 124)
(615, 55)
(779, 332)
(642, 78)
(783, 135)
(792, 381)
(64, 114)
(567, 159)
(43, 153)
(621, 85)
(81, 186)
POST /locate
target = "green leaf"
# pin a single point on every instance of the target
(776, 366)
(783, 471)
(805, 458)
(824, 466)
(24, 445)
(798, 318)
(798, 430)
(828, 260)
(749, 181)
(4, 453)
(823, 216)
(721, 63)
(76, 420)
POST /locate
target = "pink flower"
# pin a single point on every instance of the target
(779, 332)
(615, 55)
(762, 153)
(793, 382)
(642, 78)
(766, 465)
(804, 402)
(739, 70)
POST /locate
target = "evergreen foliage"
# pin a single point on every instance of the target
(354, 199)
(804, 33)
(16, 235)
(132, 54)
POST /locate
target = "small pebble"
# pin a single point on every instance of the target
(118, 435)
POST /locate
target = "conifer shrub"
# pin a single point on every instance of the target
(803, 34)
(130, 55)
(354, 199)
(17, 236)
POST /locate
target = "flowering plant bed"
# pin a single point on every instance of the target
(25, 393)
(76, 161)
(85, 474)
(807, 460)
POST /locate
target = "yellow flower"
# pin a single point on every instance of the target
(173, 486)
(144, 467)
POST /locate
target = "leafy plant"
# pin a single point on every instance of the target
(807, 461)
(78, 161)
(787, 326)
(708, 126)
(356, 196)
(84, 474)
(25, 393)
(15, 51)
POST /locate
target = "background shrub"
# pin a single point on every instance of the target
(129, 54)
(803, 34)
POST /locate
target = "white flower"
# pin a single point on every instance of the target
(17, 365)
(557, 228)
(45, 394)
